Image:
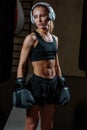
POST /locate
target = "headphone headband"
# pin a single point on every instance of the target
(40, 3)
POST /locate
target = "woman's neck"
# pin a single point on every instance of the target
(43, 31)
(45, 35)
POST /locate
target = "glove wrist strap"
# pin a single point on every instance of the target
(20, 82)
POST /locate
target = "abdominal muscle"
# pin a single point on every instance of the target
(44, 68)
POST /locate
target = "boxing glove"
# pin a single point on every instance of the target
(22, 98)
(63, 93)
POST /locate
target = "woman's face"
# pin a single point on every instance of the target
(41, 16)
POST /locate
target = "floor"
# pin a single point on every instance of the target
(16, 120)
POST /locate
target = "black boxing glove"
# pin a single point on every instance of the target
(22, 98)
(63, 93)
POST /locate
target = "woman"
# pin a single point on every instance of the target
(41, 47)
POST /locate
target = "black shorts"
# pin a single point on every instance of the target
(43, 90)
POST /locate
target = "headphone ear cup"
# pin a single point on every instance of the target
(50, 16)
(31, 17)
(51, 13)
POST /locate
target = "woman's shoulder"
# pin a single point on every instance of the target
(31, 36)
(55, 37)
(29, 39)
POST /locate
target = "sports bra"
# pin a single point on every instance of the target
(43, 50)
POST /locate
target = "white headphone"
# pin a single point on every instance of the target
(51, 11)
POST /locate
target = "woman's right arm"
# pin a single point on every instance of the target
(27, 45)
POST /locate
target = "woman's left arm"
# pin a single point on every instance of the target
(57, 64)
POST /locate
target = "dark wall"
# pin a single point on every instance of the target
(6, 90)
(73, 116)
(7, 10)
(83, 41)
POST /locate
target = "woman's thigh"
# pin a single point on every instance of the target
(32, 118)
(47, 116)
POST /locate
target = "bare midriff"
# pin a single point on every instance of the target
(44, 68)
